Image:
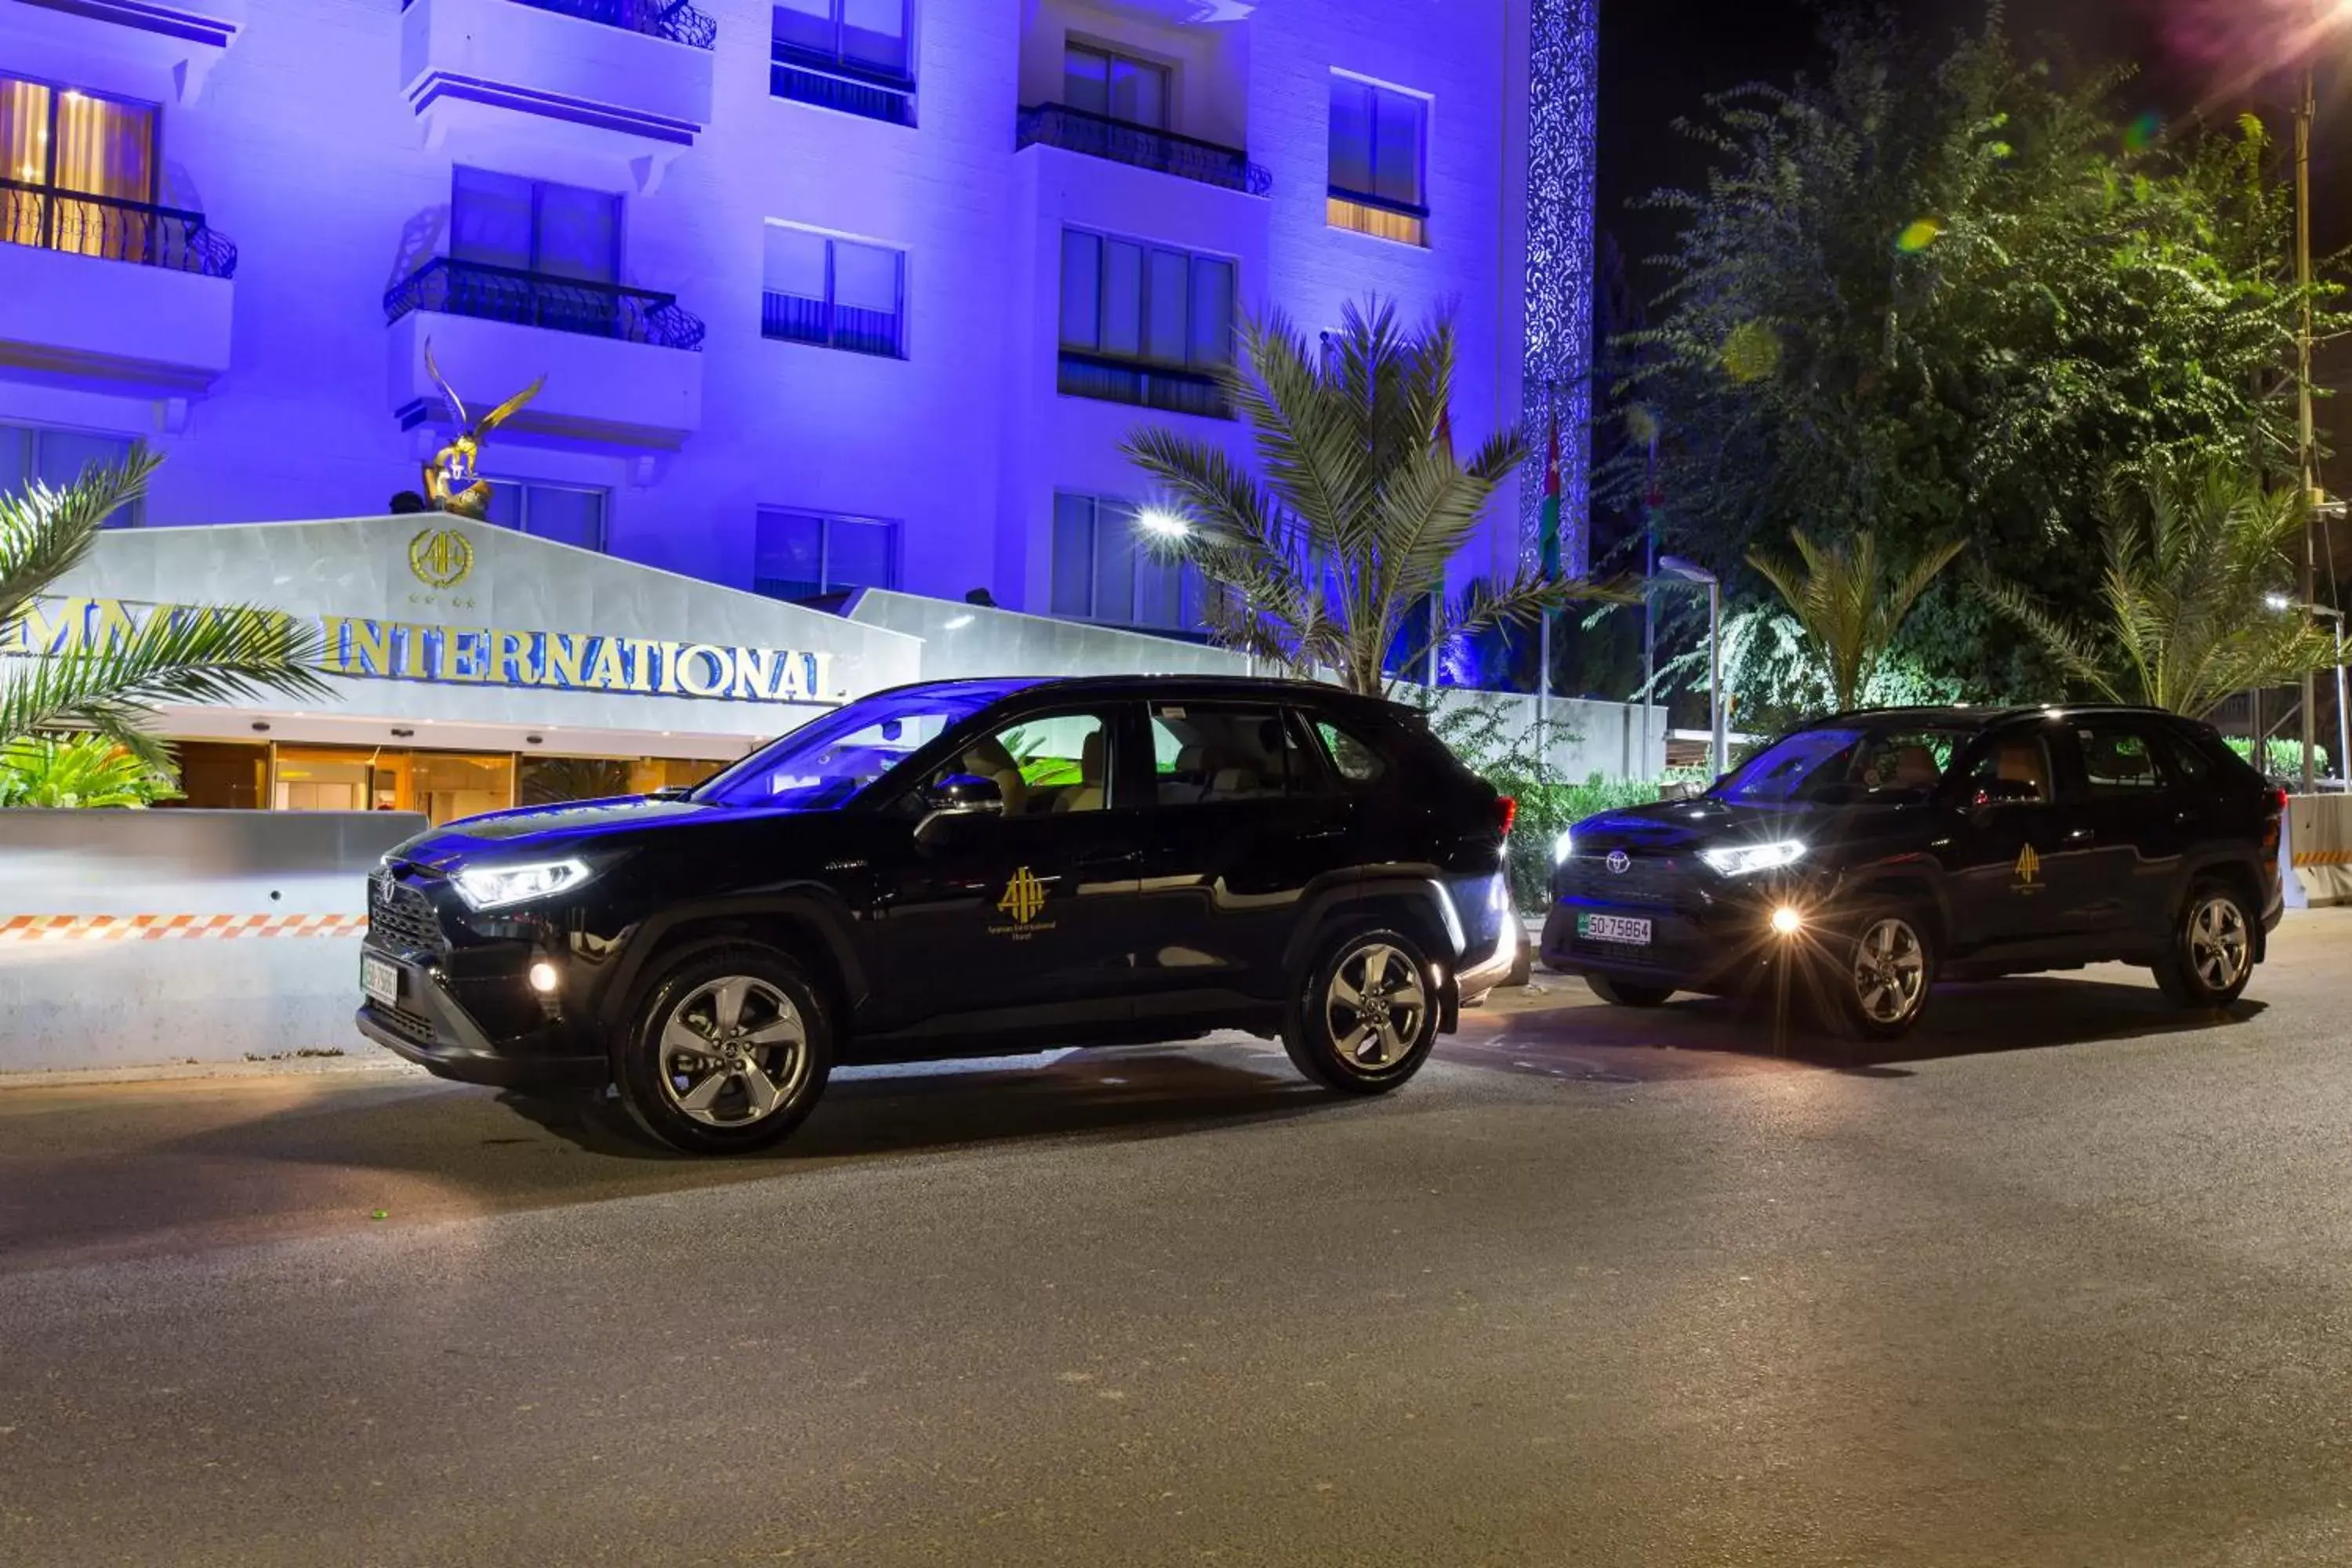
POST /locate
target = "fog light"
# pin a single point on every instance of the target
(543, 977)
(1787, 921)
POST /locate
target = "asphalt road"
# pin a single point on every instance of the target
(2066, 1280)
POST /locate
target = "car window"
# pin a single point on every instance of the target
(1203, 755)
(828, 759)
(2014, 760)
(1047, 765)
(1844, 764)
(1352, 758)
(2186, 763)
(2118, 762)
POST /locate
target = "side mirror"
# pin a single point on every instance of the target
(2006, 792)
(960, 794)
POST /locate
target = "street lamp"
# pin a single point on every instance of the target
(1716, 714)
(2281, 603)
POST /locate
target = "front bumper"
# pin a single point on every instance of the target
(1725, 950)
(431, 1027)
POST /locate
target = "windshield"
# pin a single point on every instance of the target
(1845, 764)
(827, 761)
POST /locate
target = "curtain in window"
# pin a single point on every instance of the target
(1351, 134)
(794, 263)
(105, 148)
(1085, 79)
(1397, 121)
(24, 158)
(865, 278)
(1081, 289)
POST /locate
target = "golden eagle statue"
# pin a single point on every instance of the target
(451, 483)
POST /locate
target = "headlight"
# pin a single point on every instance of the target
(1563, 846)
(1739, 860)
(492, 887)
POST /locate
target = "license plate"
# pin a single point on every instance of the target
(380, 980)
(1613, 928)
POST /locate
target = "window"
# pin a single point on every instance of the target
(850, 54)
(1203, 755)
(2118, 764)
(827, 761)
(1378, 137)
(57, 459)
(569, 514)
(534, 226)
(58, 143)
(800, 554)
(1129, 308)
(1098, 81)
(1103, 571)
(1353, 760)
(841, 293)
(2019, 765)
(1044, 766)
(1839, 766)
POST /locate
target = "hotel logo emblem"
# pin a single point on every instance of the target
(1024, 897)
(440, 557)
(2028, 867)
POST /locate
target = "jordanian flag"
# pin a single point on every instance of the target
(1547, 520)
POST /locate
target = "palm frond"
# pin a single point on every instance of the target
(44, 532)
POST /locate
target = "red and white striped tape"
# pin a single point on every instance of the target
(159, 928)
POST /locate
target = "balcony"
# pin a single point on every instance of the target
(589, 85)
(1100, 136)
(160, 51)
(621, 363)
(124, 293)
(1143, 382)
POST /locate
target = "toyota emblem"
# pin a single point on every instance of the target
(1620, 862)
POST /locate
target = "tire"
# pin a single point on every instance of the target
(1336, 1042)
(2213, 951)
(1880, 970)
(754, 1085)
(1628, 992)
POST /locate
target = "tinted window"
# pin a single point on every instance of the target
(2118, 762)
(1353, 759)
(827, 759)
(2014, 760)
(1053, 763)
(1845, 764)
(2186, 764)
(1201, 755)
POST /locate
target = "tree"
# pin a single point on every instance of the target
(1946, 290)
(190, 656)
(1319, 563)
(2192, 555)
(1849, 612)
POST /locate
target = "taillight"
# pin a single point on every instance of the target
(2278, 799)
(1506, 811)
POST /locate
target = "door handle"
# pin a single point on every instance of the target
(1106, 859)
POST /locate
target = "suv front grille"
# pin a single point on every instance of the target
(402, 918)
(1646, 879)
(400, 1020)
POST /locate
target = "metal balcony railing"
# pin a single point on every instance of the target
(112, 229)
(492, 293)
(806, 77)
(797, 319)
(678, 21)
(1173, 388)
(1100, 136)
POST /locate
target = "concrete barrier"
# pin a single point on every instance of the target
(132, 938)
(2317, 849)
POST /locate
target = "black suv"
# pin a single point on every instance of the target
(959, 868)
(1869, 855)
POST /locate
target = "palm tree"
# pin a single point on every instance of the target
(1319, 564)
(1849, 612)
(191, 655)
(2193, 551)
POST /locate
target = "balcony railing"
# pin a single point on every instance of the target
(1100, 136)
(797, 319)
(112, 229)
(821, 79)
(492, 293)
(677, 20)
(1141, 383)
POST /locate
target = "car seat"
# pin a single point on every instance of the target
(1086, 795)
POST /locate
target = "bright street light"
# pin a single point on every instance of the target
(1718, 711)
(1160, 521)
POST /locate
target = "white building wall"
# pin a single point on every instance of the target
(298, 142)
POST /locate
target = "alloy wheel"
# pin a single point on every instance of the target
(2220, 948)
(1890, 971)
(1375, 1006)
(733, 1050)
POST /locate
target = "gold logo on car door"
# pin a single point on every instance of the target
(1025, 895)
(2028, 867)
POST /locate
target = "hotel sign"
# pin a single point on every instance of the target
(365, 649)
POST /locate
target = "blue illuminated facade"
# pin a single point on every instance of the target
(823, 297)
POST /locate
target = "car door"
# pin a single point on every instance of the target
(1023, 919)
(1242, 827)
(2015, 858)
(2139, 819)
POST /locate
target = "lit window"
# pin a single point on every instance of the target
(801, 554)
(841, 293)
(855, 56)
(1132, 92)
(57, 459)
(1103, 570)
(1142, 323)
(80, 172)
(568, 515)
(1379, 138)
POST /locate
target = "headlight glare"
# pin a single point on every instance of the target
(1563, 846)
(1738, 860)
(494, 887)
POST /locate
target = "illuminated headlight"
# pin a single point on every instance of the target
(494, 887)
(1740, 860)
(1562, 847)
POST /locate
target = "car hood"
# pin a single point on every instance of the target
(1681, 826)
(573, 824)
